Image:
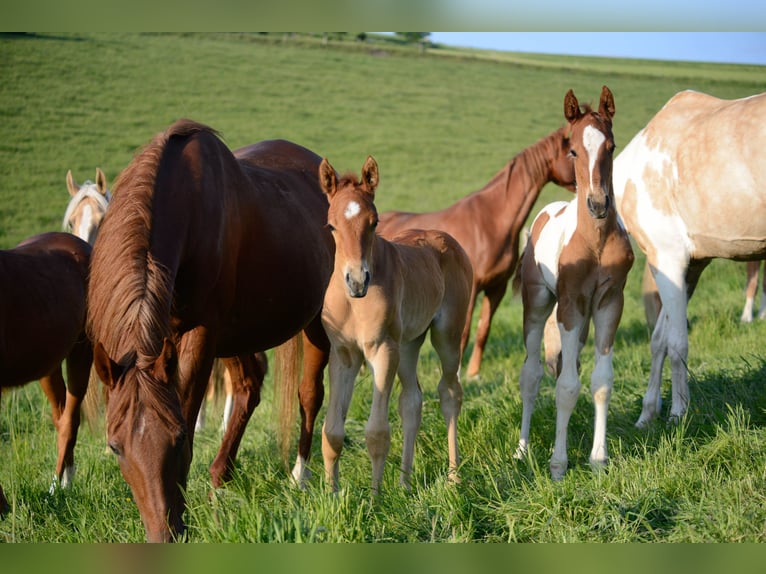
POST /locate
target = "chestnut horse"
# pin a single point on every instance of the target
(577, 258)
(43, 282)
(87, 206)
(382, 300)
(487, 224)
(203, 253)
(682, 186)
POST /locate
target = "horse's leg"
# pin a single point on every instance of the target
(229, 390)
(538, 303)
(410, 405)
(670, 338)
(552, 344)
(492, 298)
(384, 361)
(751, 286)
(344, 365)
(651, 297)
(606, 318)
(195, 363)
(316, 353)
(469, 319)
(55, 390)
(450, 390)
(247, 375)
(568, 382)
(78, 364)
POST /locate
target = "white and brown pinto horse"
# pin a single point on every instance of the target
(691, 186)
(383, 298)
(578, 256)
(87, 206)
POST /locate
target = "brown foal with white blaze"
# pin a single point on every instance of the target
(383, 298)
(578, 255)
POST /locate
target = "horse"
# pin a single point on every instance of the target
(43, 281)
(204, 253)
(683, 185)
(382, 300)
(488, 222)
(87, 206)
(577, 259)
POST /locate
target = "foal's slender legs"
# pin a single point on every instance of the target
(450, 390)
(489, 305)
(384, 361)
(410, 405)
(344, 366)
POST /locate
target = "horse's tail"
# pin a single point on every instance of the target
(288, 358)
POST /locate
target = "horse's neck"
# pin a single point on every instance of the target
(526, 175)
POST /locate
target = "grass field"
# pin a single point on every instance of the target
(440, 125)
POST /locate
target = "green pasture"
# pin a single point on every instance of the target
(440, 124)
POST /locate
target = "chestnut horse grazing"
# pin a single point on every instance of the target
(87, 206)
(383, 298)
(691, 186)
(203, 253)
(487, 224)
(43, 282)
(577, 258)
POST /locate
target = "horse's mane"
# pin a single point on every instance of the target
(130, 293)
(536, 157)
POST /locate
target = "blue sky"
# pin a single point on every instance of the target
(728, 47)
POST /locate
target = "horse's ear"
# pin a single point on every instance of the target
(370, 175)
(107, 370)
(606, 105)
(166, 365)
(327, 179)
(70, 184)
(100, 181)
(571, 107)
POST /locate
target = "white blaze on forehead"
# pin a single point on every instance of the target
(85, 223)
(352, 209)
(592, 139)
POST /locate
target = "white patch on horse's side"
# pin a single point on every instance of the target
(352, 209)
(592, 139)
(554, 236)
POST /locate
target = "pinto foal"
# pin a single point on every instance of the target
(578, 255)
(383, 298)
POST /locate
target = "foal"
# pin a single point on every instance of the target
(578, 255)
(383, 297)
(87, 206)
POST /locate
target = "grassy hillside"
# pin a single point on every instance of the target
(440, 124)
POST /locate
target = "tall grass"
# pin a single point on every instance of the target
(440, 125)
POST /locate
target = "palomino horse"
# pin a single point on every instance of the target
(690, 187)
(87, 206)
(577, 258)
(487, 224)
(383, 298)
(203, 253)
(43, 282)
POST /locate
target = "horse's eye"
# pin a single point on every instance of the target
(572, 153)
(115, 448)
(331, 227)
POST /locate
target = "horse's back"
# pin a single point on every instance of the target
(42, 311)
(698, 170)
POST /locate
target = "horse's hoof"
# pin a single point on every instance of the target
(558, 470)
